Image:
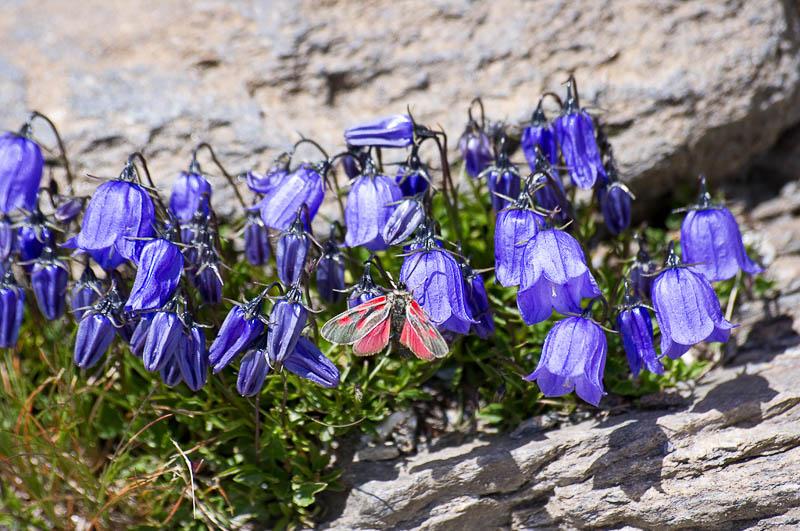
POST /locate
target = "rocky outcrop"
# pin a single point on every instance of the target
(724, 454)
(685, 86)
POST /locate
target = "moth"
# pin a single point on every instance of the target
(371, 325)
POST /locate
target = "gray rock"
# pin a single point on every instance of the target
(685, 87)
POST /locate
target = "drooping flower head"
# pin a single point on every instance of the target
(406, 217)
(33, 235)
(642, 271)
(395, 131)
(254, 369)
(434, 278)
(539, 135)
(97, 329)
(615, 201)
(171, 371)
(636, 329)
(12, 309)
(192, 360)
(239, 329)
(412, 178)
(119, 213)
(573, 358)
(474, 144)
(68, 209)
(164, 338)
(286, 322)
(575, 134)
(711, 241)
(84, 293)
(21, 165)
(206, 278)
(266, 182)
(549, 194)
(514, 228)
(307, 361)
(256, 240)
(554, 276)
(330, 271)
(687, 309)
(292, 251)
(365, 290)
(191, 193)
(504, 183)
(160, 266)
(49, 282)
(370, 203)
(478, 302)
(303, 186)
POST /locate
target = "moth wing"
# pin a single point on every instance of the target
(420, 335)
(354, 324)
(375, 341)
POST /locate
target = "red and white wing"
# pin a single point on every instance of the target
(375, 341)
(356, 323)
(420, 335)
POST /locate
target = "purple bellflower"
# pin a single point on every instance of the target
(307, 361)
(712, 243)
(164, 338)
(406, 217)
(573, 357)
(21, 165)
(292, 251)
(615, 202)
(687, 309)
(303, 186)
(539, 134)
(476, 149)
(286, 322)
(49, 282)
(574, 130)
(330, 272)
(266, 182)
(434, 278)
(171, 371)
(554, 276)
(239, 329)
(504, 184)
(33, 236)
(369, 205)
(7, 237)
(395, 131)
(191, 193)
(253, 370)
(256, 240)
(642, 271)
(12, 309)
(515, 227)
(412, 178)
(68, 209)
(193, 359)
(139, 336)
(365, 290)
(206, 278)
(95, 334)
(157, 277)
(119, 213)
(478, 302)
(84, 293)
(636, 329)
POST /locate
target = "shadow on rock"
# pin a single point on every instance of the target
(768, 338)
(739, 400)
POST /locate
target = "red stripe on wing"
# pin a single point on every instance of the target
(420, 335)
(374, 341)
(411, 339)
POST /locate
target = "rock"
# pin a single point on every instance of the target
(685, 87)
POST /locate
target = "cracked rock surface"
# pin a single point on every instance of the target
(684, 86)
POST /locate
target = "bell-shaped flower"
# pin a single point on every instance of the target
(550, 194)
(12, 310)
(119, 214)
(191, 193)
(504, 185)
(193, 359)
(395, 131)
(264, 183)
(49, 282)
(33, 236)
(369, 205)
(303, 186)
(21, 165)
(256, 240)
(171, 372)
(307, 361)
(636, 329)
(139, 336)
(687, 309)
(292, 251)
(539, 135)
(514, 228)
(365, 290)
(554, 276)
(84, 293)
(712, 243)
(350, 162)
(478, 303)
(253, 371)
(434, 278)
(407, 216)
(412, 179)
(642, 271)
(108, 259)
(286, 322)
(476, 150)
(157, 277)
(206, 278)
(68, 209)
(95, 334)
(7, 237)
(615, 202)
(330, 272)
(164, 338)
(575, 134)
(573, 358)
(239, 329)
